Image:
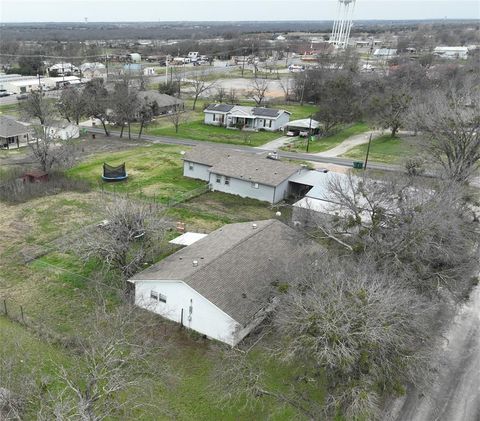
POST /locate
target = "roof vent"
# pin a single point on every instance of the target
(195, 263)
(254, 226)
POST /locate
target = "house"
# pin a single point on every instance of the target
(134, 58)
(63, 69)
(164, 103)
(385, 52)
(222, 285)
(193, 56)
(451, 52)
(247, 118)
(63, 130)
(242, 174)
(12, 132)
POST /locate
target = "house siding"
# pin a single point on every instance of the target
(199, 171)
(283, 119)
(281, 191)
(243, 188)
(204, 316)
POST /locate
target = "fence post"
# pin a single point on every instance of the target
(21, 311)
(5, 307)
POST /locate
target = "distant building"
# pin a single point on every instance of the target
(451, 52)
(193, 56)
(134, 58)
(63, 130)
(63, 69)
(247, 118)
(164, 103)
(385, 52)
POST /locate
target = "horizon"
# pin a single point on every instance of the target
(168, 11)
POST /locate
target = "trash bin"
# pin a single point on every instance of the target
(93, 136)
(358, 165)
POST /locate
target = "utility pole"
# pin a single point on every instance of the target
(309, 132)
(366, 157)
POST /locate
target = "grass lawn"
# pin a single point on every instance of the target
(328, 142)
(195, 129)
(155, 171)
(385, 149)
(10, 109)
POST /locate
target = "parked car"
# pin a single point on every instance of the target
(4, 93)
(22, 96)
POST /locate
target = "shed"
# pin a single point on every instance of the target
(35, 176)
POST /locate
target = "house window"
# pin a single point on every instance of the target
(219, 179)
(255, 185)
(269, 123)
(214, 117)
(227, 180)
(190, 166)
(156, 296)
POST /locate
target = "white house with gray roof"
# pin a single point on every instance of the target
(222, 285)
(13, 132)
(243, 174)
(246, 118)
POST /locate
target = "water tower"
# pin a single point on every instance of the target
(343, 23)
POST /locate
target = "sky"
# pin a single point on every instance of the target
(228, 10)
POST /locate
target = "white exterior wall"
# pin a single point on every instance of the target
(242, 188)
(205, 317)
(282, 191)
(199, 171)
(70, 131)
(283, 119)
(209, 119)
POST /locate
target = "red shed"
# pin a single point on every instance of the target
(35, 176)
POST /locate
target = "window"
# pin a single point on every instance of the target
(190, 166)
(158, 297)
(219, 179)
(214, 117)
(269, 123)
(255, 185)
(227, 180)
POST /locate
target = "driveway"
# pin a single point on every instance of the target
(277, 143)
(350, 143)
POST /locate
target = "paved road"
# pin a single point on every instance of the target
(249, 149)
(455, 392)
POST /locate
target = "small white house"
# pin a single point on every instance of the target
(64, 130)
(246, 175)
(246, 118)
(385, 52)
(134, 58)
(222, 286)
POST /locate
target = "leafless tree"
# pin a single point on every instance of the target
(38, 106)
(131, 235)
(287, 86)
(232, 96)
(49, 151)
(113, 358)
(258, 90)
(200, 84)
(450, 122)
(97, 100)
(221, 94)
(125, 104)
(422, 229)
(177, 118)
(71, 105)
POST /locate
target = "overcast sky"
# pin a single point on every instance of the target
(218, 10)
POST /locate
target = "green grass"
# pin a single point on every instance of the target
(328, 142)
(385, 149)
(154, 171)
(10, 109)
(195, 129)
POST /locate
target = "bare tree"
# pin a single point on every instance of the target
(450, 122)
(287, 86)
(177, 118)
(200, 84)
(125, 104)
(131, 235)
(71, 105)
(38, 106)
(258, 90)
(221, 94)
(232, 96)
(97, 99)
(49, 151)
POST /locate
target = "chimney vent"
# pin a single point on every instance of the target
(254, 226)
(195, 263)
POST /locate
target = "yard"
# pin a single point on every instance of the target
(386, 149)
(328, 142)
(194, 128)
(58, 293)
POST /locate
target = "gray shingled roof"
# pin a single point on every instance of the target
(10, 127)
(163, 100)
(236, 265)
(222, 108)
(265, 112)
(208, 155)
(255, 168)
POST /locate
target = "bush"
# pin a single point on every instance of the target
(14, 190)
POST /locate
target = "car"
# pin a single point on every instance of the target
(22, 96)
(4, 93)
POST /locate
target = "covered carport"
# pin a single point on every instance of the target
(305, 125)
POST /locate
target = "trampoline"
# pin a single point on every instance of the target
(114, 173)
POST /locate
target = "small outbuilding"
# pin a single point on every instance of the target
(35, 176)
